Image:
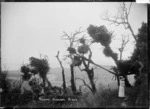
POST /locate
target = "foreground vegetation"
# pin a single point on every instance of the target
(105, 97)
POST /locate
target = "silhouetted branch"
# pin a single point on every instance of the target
(129, 8)
(72, 38)
(81, 69)
(122, 18)
(90, 61)
(63, 75)
(85, 83)
(124, 43)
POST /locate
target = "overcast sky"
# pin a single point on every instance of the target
(29, 29)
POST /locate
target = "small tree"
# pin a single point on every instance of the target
(36, 66)
(83, 49)
(42, 67)
(71, 49)
(103, 36)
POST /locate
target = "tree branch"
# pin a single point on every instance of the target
(124, 43)
(57, 56)
(121, 19)
(81, 69)
(72, 38)
(85, 83)
(129, 8)
(90, 61)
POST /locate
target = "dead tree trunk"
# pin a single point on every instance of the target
(73, 86)
(90, 74)
(63, 74)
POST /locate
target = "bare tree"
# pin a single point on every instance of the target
(83, 49)
(72, 41)
(121, 18)
(63, 74)
(78, 58)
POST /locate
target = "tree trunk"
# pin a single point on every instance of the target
(118, 80)
(91, 78)
(44, 84)
(64, 82)
(114, 57)
(127, 84)
(49, 83)
(73, 86)
(63, 74)
(93, 86)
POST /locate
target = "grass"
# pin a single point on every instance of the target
(103, 98)
(106, 96)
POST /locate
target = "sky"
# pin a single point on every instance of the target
(31, 29)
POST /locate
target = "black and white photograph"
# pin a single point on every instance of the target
(74, 55)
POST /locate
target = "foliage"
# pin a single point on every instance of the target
(3, 81)
(100, 34)
(4, 84)
(26, 97)
(36, 87)
(36, 66)
(71, 50)
(109, 53)
(103, 36)
(140, 52)
(83, 49)
(41, 65)
(82, 41)
(25, 70)
(77, 61)
(12, 97)
(11, 94)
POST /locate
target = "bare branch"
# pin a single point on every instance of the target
(84, 63)
(77, 32)
(124, 43)
(81, 69)
(129, 8)
(85, 83)
(90, 61)
(121, 18)
(72, 38)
